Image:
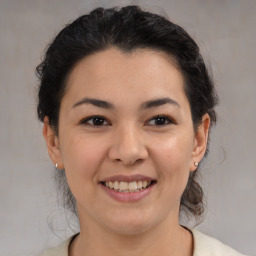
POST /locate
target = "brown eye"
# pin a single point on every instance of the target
(98, 121)
(160, 120)
(95, 121)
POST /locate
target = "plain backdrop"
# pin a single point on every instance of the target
(225, 31)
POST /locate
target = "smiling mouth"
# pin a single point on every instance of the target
(128, 187)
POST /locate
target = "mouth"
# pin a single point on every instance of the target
(128, 187)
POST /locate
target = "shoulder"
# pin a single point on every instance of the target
(203, 246)
(208, 246)
(61, 250)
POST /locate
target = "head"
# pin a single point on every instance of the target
(128, 35)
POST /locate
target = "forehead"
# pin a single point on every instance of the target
(112, 73)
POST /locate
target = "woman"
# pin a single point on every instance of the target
(127, 106)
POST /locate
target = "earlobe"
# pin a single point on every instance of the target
(201, 138)
(52, 143)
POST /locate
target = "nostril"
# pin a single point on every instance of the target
(128, 151)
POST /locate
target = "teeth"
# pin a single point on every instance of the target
(110, 184)
(132, 185)
(123, 186)
(116, 185)
(144, 184)
(139, 184)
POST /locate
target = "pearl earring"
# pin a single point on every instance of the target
(196, 164)
(56, 165)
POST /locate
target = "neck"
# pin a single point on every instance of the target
(168, 238)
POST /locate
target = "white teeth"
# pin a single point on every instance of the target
(116, 185)
(144, 184)
(133, 185)
(139, 184)
(110, 184)
(123, 186)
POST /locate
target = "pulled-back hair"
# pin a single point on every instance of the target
(128, 29)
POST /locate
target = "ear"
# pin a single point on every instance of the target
(52, 143)
(200, 143)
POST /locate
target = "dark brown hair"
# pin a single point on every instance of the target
(128, 28)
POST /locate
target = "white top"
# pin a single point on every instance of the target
(203, 246)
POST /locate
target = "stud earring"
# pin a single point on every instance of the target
(196, 164)
(56, 165)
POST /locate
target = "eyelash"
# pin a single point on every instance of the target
(85, 121)
(167, 118)
(91, 118)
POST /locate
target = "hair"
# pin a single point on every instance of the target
(128, 28)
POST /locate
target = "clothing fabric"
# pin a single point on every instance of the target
(203, 246)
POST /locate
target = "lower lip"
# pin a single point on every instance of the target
(128, 196)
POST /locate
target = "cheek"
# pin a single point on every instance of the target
(82, 156)
(174, 154)
(172, 160)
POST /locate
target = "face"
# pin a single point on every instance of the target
(126, 140)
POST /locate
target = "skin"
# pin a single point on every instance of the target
(129, 141)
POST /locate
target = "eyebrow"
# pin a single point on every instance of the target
(159, 102)
(94, 102)
(145, 105)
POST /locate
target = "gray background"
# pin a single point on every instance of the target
(225, 31)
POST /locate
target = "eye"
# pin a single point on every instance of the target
(95, 121)
(160, 120)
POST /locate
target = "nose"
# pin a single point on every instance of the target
(128, 146)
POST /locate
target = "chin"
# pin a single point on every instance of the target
(131, 224)
(130, 229)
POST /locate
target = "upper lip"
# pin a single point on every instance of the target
(137, 177)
